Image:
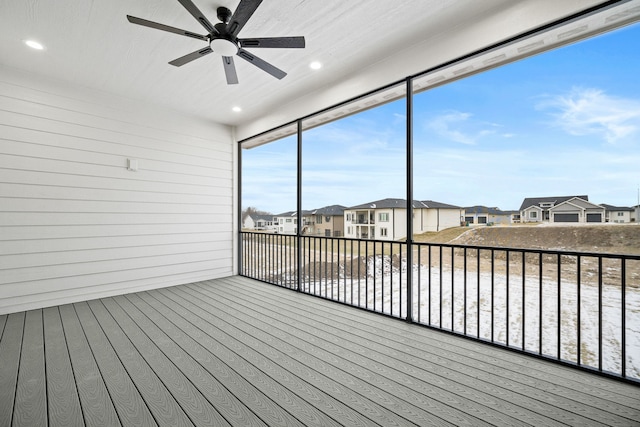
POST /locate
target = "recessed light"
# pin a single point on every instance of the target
(236, 109)
(315, 65)
(34, 44)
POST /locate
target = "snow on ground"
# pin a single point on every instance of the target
(387, 294)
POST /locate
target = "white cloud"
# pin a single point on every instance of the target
(588, 111)
(461, 127)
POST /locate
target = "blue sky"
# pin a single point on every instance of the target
(566, 122)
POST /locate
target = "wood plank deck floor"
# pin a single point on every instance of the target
(238, 352)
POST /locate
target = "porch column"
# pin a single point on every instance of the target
(409, 199)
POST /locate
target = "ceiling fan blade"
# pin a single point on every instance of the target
(273, 42)
(191, 57)
(230, 70)
(243, 12)
(263, 65)
(193, 9)
(163, 27)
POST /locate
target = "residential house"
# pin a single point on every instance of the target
(618, 214)
(486, 215)
(327, 221)
(386, 219)
(259, 222)
(286, 223)
(576, 209)
(536, 209)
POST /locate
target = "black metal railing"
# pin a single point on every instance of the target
(577, 308)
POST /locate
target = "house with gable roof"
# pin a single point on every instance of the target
(386, 219)
(537, 209)
(327, 221)
(259, 222)
(286, 222)
(487, 215)
(577, 209)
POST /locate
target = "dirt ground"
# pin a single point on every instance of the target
(621, 239)
(616, 239)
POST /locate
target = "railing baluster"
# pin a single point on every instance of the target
(382, 286)
(478, 292)
(578, 322)
(600, 313)
(540, 275)
(559, 306)
(375, 275)
(429, 286)
(623, 286)
(493, 259)
(453, 295)
(351, 269)
(508, 254)
(524, 299)
(419, 299)
(464, 267)
(441, 278)
(366, 273)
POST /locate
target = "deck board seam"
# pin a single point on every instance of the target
(73, 373)
(15, 395)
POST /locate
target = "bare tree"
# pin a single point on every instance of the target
(251, 210)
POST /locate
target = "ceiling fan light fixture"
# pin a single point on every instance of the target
(34, 44)
(224, 47)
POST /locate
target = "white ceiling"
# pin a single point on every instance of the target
(362, 45)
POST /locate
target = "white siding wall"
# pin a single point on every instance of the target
(76, 224)
(439, 219)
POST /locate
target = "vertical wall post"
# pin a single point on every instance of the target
(240, 243)
(409, 98)
(299, 209)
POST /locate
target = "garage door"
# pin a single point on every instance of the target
(566, 217)
(594, 217)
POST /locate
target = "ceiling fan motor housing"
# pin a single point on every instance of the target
(224, 14)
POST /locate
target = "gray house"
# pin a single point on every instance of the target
(537, 209)
(486, 215)
(576, 209)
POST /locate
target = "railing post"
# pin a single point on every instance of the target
(409, 150)
(299, 210)
(239, 218)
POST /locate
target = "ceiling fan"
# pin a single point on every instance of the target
(223, 38)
